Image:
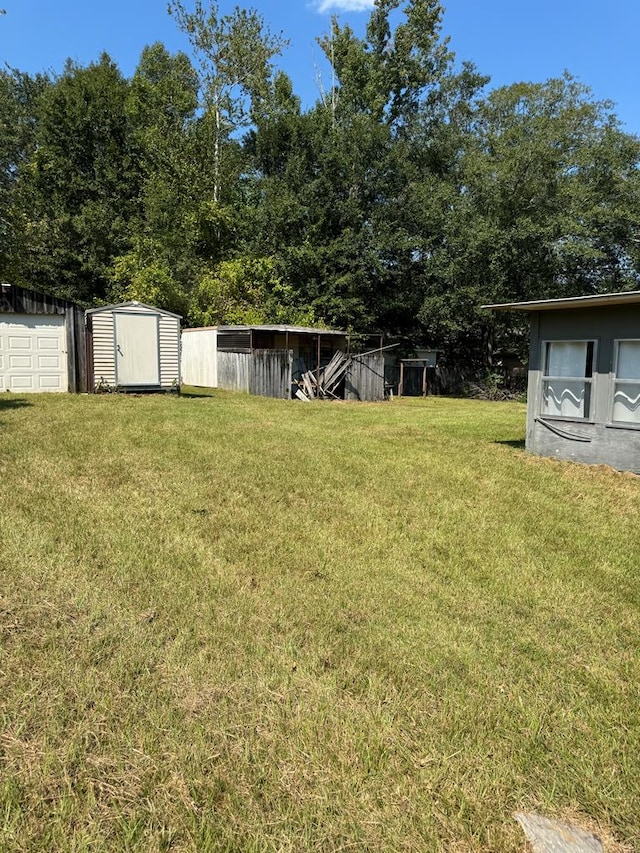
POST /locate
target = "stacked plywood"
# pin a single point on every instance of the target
(324, 384)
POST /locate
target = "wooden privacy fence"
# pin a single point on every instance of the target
(234, 370)
(364, 379)
(270, 373)
(266, 372)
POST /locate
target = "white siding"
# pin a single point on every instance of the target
(169, 352)
(104, 363)
(104, 368)
(199, 358)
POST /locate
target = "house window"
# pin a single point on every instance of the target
(567, 378)
(626, 388)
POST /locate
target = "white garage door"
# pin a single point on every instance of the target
(33, 353)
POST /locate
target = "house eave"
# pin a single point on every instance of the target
(630, 297)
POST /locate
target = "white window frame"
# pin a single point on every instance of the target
(587, 381)
(615, 382)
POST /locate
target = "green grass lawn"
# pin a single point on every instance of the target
(233, 623)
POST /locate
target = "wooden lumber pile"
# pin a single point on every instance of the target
(324, 386)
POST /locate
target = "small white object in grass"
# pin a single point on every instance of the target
(552, 836)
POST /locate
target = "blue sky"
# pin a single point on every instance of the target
(510, 40)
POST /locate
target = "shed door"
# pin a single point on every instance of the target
(33, 353)
(137, 352)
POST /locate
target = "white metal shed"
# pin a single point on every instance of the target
(134, 347)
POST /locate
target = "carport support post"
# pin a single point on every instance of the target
(289, 361)
(318, 367)
(401, 382)
(424, 379)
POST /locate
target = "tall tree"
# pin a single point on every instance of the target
(233, 54)
(352, 236)
(20, 96)
(161, 104)
(390, 73)
(84, 182)
(547, 206)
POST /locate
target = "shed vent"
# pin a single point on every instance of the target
(234, 341)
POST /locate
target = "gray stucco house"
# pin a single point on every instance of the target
(584, 378)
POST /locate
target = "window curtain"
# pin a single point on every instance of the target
(626, 394)
(566, 397)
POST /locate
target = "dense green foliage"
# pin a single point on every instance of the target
(407, 196)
